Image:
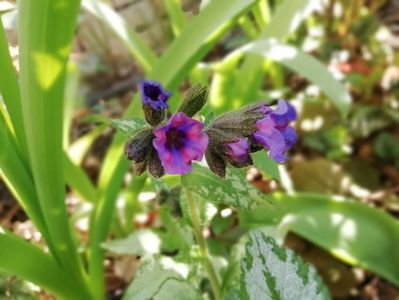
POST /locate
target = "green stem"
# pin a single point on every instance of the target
(202, 245)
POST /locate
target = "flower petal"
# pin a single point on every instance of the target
(180, 142)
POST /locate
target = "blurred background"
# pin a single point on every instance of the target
(353, 155)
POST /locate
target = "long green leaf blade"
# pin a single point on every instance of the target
(18, 179)
(45, 33)
(304, 64)
(9, 89)
(176, 14)
(356, 233)
(18, 257)
(77, 179)
(197, 39)
(132, 40)
(287, 18)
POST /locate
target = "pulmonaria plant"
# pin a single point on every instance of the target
(171, 145)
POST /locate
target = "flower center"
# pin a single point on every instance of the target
(152, 91)
(175, 138)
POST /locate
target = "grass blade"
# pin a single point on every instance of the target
(288, 17)
(303, 64)
(18, 257)
(45, 33)
(77, 179)
(177, 16)
(9, 88)
(132, 40)
(197, 39)
(19, 181)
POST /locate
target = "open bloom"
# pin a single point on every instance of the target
(153, 94)
(238, 151)
(179, 142)
(274, 132)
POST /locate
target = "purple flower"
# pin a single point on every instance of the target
(238, 151)
(179, 142)
(273, 130)
(153, 94)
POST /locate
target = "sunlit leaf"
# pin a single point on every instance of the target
(233, 190)
(354, 232)
(288, 17)
(132, 40)
(140, 242)
(273, 272)
(303, 64)
(174, 289)
(152, 275)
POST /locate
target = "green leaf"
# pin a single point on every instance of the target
(152, 275)
(140, 242)
(45, 32)
(386, 149)
(303, 64)
(354, 232)
(273, 272)
(176, 15)
(78, 181)
(129, 127)
(287, 18)
(177, 235)
(266, 164)
(132, 40)
(9, 89)
(19, 180)
(197, 39)
(80, 147)
(234, 190)
(18, 257)
(174, 289)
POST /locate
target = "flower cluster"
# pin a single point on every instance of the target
(170, 146)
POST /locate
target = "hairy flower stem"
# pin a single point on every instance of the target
(202, 245)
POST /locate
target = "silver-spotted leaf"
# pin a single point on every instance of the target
(153, 273)
(233, 190)
(129, 127)
(273, 272)
(174, 289)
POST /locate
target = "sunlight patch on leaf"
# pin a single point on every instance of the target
(140, 242)
(48, 69)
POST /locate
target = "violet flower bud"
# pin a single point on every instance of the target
(238, 153)
(154, 98)
(179, 142)
(274, 133)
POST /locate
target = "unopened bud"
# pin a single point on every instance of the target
(194, 101)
